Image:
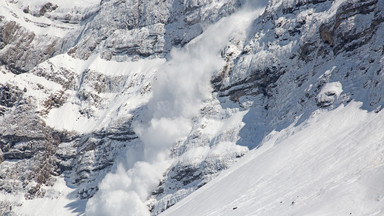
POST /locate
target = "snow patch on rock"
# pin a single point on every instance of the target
(329, 94)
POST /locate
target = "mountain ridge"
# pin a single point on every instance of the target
(74, 80)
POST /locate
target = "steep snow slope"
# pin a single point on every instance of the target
(71, 115)
(76, 81)
(331, 164)
(58, 201)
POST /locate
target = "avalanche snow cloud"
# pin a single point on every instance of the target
(181, 85)
(76, 80)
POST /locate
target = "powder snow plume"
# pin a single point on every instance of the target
(181, 85)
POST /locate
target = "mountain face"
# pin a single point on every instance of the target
(332, 164)
(95, 90)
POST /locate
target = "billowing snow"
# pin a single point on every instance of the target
(179, 90)
(332, 164)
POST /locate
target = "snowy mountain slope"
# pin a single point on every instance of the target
(32, 31)
(286, 51)
(332, 164)
(70, 118)
(271, 82)
(71, 114)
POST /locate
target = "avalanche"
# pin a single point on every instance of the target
(178, 93)
(192, 107)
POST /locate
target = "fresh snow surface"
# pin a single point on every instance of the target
(57, 201)
(102, 66)
(332, 164)
(13, 10)
(116, 104)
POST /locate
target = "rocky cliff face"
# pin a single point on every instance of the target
(123, 30)
(73, 80)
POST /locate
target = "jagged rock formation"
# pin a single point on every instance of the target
(21, 49)
(123, 30)
(298, 56)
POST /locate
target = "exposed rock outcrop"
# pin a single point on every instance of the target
(299, 56)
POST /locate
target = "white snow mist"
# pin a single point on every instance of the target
(177, 94)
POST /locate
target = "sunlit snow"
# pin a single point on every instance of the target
(332, 164)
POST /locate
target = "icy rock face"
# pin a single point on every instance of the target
(290, 66)
(302, 46)
(297, 57)
(95, 155)
(33, 152)
(21, 49)
(210, 148)
(32, 31)
(28, 151)
(124, 30)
